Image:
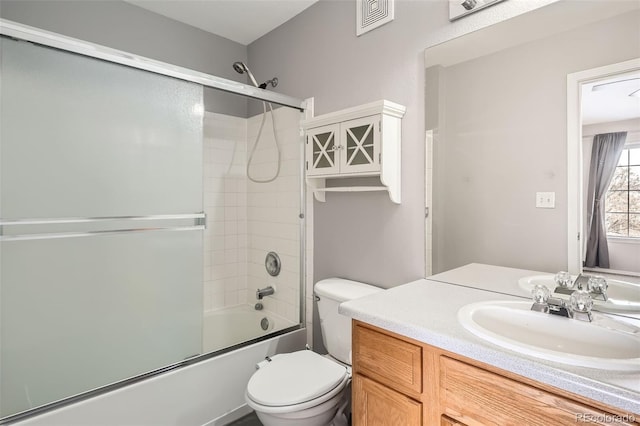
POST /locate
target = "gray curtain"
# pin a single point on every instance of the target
(605, 154)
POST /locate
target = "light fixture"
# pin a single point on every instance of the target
(460, 8)
(630, 86)
(469, 4)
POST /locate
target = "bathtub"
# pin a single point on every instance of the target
(206, 393)
(236, 324)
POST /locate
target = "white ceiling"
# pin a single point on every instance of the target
(610, 101)
(242, 21)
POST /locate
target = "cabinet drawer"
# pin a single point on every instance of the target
(391, 361)
(446, 421)
(377, 405)
(477, 397)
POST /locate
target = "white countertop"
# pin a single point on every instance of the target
(426, 310)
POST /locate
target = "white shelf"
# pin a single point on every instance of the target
(317, 185)
(352, 189)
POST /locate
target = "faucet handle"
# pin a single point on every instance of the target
(540, 293)
(581, 303)
(563, 279)
(597, 284)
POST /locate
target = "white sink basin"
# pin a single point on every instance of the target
(604, 343)
(622, 296)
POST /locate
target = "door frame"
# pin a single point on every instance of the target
(575, 225)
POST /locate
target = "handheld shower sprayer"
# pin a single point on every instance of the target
(241, 68)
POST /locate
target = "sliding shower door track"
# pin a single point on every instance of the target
(35, 35)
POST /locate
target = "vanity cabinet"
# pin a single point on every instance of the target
(380, 405)
(401, 381)
(363, 141)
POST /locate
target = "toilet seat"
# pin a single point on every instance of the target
(300, 379)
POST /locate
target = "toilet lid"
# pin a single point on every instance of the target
(294, 378)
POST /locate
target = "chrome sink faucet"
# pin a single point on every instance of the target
(594, 284)
(578, 307)
(262, 292)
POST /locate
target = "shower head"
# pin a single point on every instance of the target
(241, 68)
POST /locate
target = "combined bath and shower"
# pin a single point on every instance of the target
(242, 68)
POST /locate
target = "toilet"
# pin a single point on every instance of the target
(304, 388)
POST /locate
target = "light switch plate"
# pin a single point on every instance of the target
(546, 200)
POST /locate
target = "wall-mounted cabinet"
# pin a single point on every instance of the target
(346, 148)
(362, 141)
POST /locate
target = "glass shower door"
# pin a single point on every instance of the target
(100, 223)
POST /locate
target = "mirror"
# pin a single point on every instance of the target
(498, 131)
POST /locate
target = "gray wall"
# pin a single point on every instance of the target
(120, 25)
(504, 139)
(363, 236)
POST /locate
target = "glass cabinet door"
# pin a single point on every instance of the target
(323, 148)
(361, 145)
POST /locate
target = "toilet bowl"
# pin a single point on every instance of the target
(299, 388)
(304, 388)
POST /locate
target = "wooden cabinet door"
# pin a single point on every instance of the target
(377, 405)
(393, 362)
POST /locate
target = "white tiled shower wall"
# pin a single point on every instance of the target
(246, 220)
(273, 211)
(225, 196)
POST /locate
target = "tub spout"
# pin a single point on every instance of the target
(262, 292)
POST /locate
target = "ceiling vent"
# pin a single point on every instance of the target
(370, 14)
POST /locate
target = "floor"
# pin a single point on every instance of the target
(248, 420)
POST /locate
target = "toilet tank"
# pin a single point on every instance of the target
(336, 328)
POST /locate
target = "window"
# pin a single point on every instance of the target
(622, 205)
